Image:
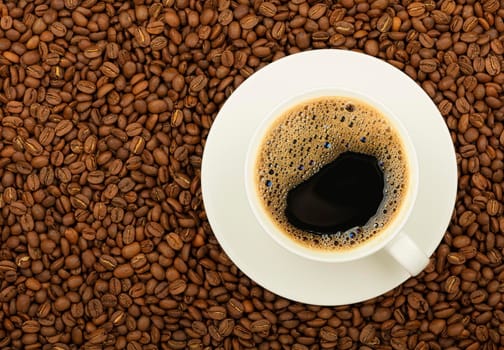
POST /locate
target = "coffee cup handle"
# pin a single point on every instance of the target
(407, 253)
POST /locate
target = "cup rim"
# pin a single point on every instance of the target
(267, 224)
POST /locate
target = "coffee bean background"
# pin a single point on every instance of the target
(104, 111)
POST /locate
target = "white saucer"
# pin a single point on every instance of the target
(229, 213)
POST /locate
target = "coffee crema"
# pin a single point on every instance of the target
(328, 138)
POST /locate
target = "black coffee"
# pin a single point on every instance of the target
(332, 173)
(343, 194)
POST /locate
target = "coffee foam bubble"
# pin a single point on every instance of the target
(314, 133)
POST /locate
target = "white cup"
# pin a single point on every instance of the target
(392, 239)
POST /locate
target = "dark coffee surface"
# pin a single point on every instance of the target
(343, 194)
(312, 134)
